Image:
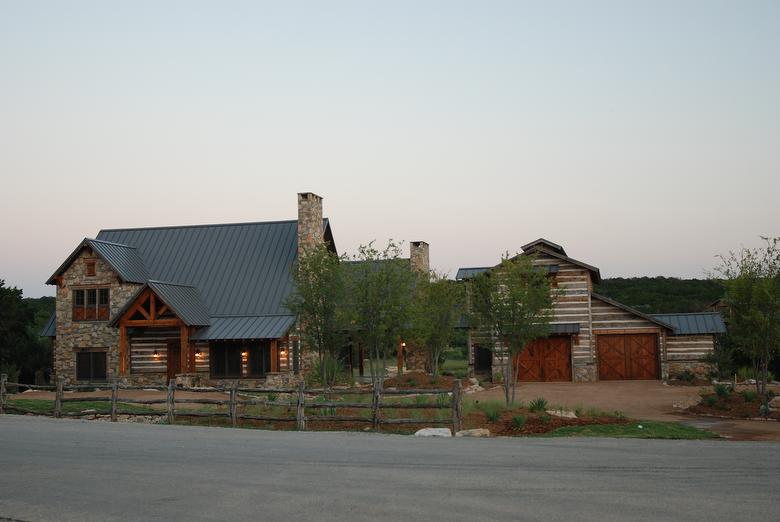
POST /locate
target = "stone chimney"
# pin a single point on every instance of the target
(418, 255)
(311, 229)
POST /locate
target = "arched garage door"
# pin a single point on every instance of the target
(627, 356)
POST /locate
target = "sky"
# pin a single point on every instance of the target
(644, 137)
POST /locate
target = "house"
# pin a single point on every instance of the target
(199, 304)
(594, 337)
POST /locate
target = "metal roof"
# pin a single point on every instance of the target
(50, 329)
(123, 259)
(544, 242)
(565, 328)
(239, 269)
(184, 300)
(246, 327)
(696, 323)
(468, 273)
(630, 310)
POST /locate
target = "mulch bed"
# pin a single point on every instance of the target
(734, 406)
(535, 423)
(696, 382)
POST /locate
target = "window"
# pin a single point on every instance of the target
(91, 366)
(91, 304)
(259, 358)
(90, 267)
(225, 360)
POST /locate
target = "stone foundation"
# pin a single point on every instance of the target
(672, 369)
(587, 373)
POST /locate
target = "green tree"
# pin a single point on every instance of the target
(436, 310)
(20, 348)
(752, 283)
(512, 304)
(380, 290)
(318, 301)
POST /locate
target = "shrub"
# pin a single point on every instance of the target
(272, 397)
(686, 376)
(764, 409)
(710, 400)
(491, 409)
(749, 395)
(412, 382)
(518, 421)
(723, 390)
(442, 399)
(545, 419)
(420, 399)
(538, 404)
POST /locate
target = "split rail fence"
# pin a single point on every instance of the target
(299, 394)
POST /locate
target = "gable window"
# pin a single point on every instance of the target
(91, 366)
(91, 304)
(90, 267)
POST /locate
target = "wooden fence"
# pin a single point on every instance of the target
(376, 419)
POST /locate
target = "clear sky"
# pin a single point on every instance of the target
(642, 136)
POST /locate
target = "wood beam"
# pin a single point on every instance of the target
(184, 338)
(144, 322)
(274, 356)
(152, 306)
(122, 350)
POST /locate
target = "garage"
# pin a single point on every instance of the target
(546, 360)
(627, 356)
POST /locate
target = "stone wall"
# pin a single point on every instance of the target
(415, 358)
(419, 256)
(73, 336)
(672, 369)
(311, 228)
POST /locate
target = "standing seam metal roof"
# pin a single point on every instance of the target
(695, 323)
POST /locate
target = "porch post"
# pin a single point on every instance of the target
(122, 350)
(274, 356)
(185, 348)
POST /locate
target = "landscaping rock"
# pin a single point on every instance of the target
(562, 413)
(433, 432)
(477, 432)
(774, 404)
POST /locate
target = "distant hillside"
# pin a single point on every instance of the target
(655, 295)
(43, 306)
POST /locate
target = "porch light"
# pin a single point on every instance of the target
(244, 353)
(283, 352)
(156, 354)
(198, 354)
(403, 345)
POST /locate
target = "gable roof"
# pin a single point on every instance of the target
(183, 300)
(239, 269)
(695, 323)
(632, 310)
(595, 274)
(469, 273)
(546, 244)
(123, 259)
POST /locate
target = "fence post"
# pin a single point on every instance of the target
(375, 406)
(58, 397)
(457, 407)
(169, 400)
(232, 407)
(300, 418)
(113, 399)
(3, 379)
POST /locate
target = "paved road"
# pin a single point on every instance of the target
(79, 470)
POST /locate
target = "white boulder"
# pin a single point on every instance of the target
(433, 432)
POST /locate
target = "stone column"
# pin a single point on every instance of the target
(311, 229)
(419, 257)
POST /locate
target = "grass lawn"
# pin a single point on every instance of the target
(42, 406)
(649, 430)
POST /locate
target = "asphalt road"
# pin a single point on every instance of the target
(80, 470)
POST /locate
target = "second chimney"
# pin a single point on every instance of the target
(311, 228)
(418, 256)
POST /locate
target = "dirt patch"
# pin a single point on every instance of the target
(420, 381)
(696, 382)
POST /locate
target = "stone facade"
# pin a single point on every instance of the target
(672, 369)
(419, 256)
(73, 336)
(311, 228)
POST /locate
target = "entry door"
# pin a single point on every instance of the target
(174, 360)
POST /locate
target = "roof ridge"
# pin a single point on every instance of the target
(109, 242)
(688, 313)
(166, 227)
(171, 283)
(226, 316)
(473, 267)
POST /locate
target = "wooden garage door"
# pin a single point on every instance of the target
(546, 360)
(627, 357)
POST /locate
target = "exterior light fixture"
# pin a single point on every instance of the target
(198, 354)
(156, 354)
(244, 353)
(403, 344)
